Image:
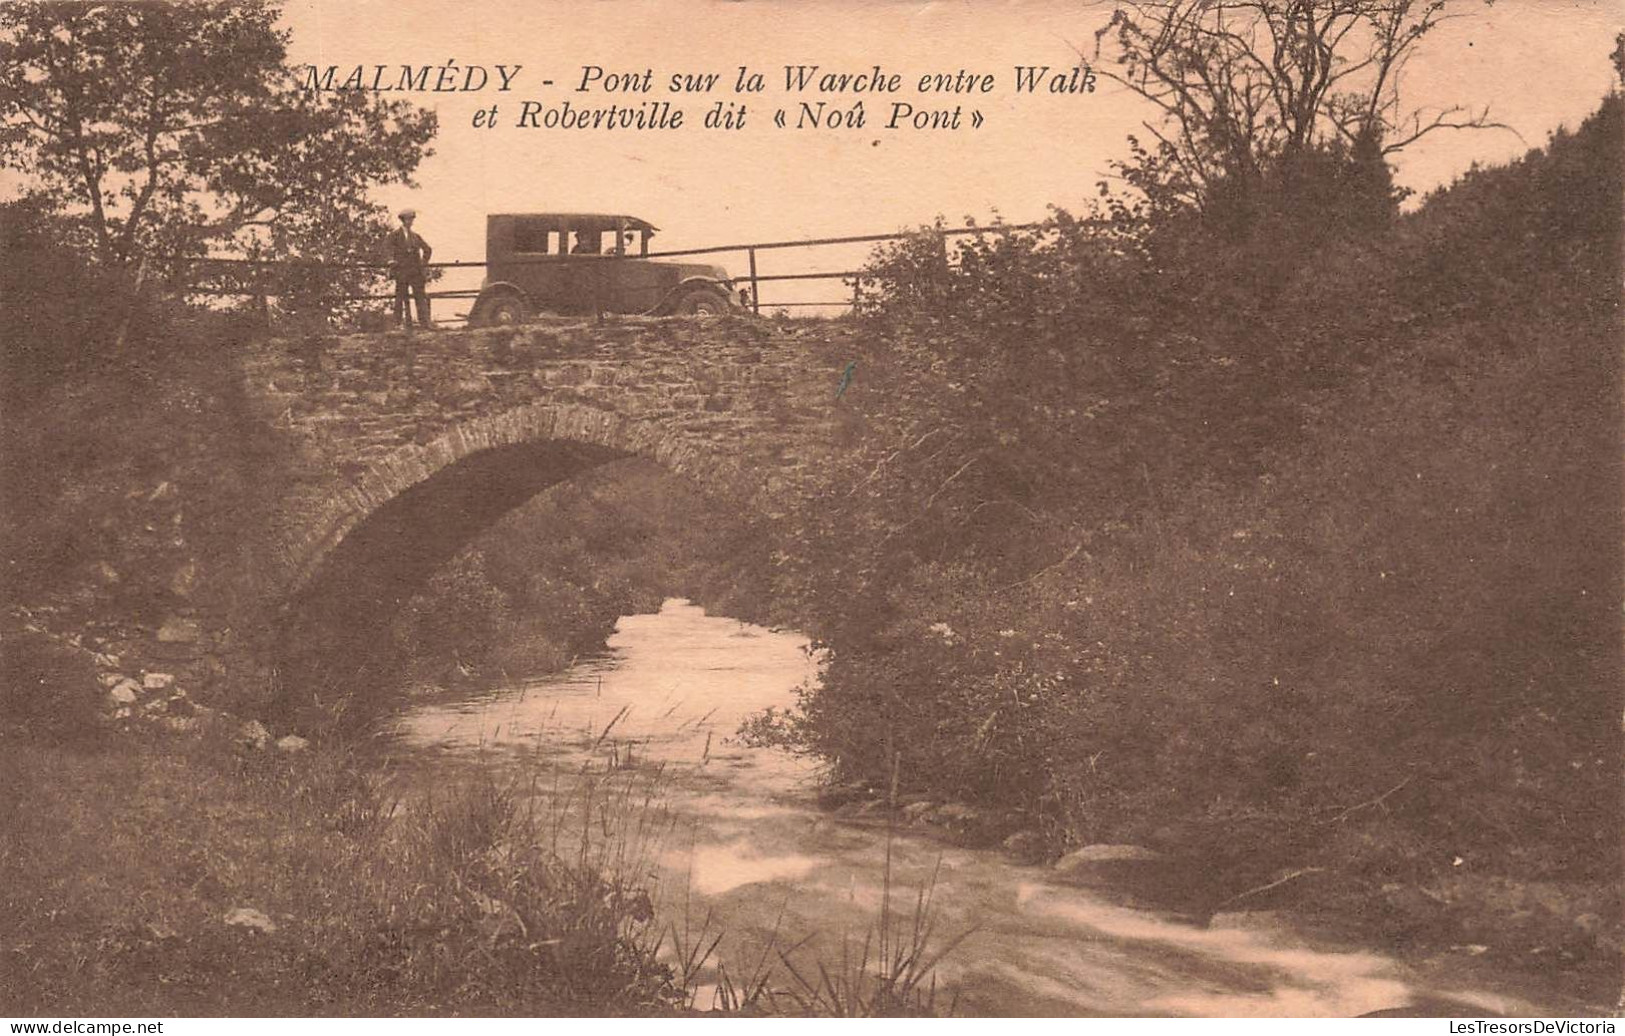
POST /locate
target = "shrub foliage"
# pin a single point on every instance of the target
(1273, 539)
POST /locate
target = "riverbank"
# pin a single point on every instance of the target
(1529, 942)
(1551, 943)
(153, 873)
(213, 868)
(752, 856)
(213, 872)
(1303, 576)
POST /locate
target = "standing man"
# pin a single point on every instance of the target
(409, 257)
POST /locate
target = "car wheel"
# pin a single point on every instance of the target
(703, 302)
(506, 311)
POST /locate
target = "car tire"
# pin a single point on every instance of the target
(505, 311)
(703, 302)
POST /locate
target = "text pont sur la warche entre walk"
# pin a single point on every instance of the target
(837, 97)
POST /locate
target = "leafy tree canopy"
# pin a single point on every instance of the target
(180, 129)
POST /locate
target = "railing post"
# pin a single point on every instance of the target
(755, 289)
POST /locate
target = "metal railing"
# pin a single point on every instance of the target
(751, 252)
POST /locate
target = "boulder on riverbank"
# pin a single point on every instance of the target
(1027, 847)
(1103, 858)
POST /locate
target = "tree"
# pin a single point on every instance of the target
(1260, 96)
(179, 129)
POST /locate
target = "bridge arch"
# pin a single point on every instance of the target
(306, 546)
(363, 549)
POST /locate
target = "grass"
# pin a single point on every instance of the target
(888, 972)
(120, 863)
(160, 875)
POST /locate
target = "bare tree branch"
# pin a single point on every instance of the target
(1243, 86)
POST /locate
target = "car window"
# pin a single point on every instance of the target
(530, 237)
(586, 242)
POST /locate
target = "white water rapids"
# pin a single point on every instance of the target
(747, 848)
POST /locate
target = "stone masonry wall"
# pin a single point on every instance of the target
(740, 405)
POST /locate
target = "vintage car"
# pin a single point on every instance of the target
(576, 262)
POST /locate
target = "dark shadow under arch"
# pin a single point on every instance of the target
(332, 641)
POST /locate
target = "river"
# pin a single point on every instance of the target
(737, 847)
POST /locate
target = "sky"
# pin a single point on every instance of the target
(1536, 63)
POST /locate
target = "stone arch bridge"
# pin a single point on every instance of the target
(407, 446)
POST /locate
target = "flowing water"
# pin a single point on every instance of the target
(744, 851)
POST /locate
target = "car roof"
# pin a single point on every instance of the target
(578, 218)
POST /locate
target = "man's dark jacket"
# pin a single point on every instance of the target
(407, 254)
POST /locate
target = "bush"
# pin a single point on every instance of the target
(548, 582)
(1289, 537)
(62, 314)
(127, 864)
